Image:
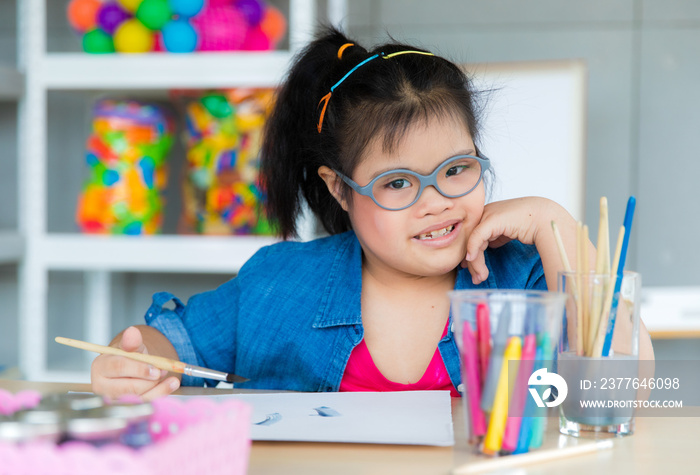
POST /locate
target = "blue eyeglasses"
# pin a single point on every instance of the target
(398, 189)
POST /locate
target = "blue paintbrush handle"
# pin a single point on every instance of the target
(629, 215)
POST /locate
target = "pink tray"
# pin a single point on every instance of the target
(196, 436)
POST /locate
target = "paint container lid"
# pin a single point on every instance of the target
(94, 426)
(15, 431)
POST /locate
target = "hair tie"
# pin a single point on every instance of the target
(325, 99)
(343, 48)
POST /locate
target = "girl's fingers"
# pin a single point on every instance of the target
(110, 366)
(132, 340)
(477, 268)
(165, 387)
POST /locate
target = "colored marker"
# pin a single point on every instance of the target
(496, 359)
(520, 392)
(471, 366)
(629, 215)
(483, 334)
(499, 414)
(539, 419)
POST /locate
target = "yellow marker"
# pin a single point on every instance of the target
(499, 413)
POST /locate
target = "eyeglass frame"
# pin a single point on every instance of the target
(424, 180)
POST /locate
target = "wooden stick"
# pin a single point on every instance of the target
(159, 362)
(538, 456)
(585, 298)
(603, 324)
(560, 247)
(602, 267)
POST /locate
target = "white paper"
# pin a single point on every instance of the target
(405, 417)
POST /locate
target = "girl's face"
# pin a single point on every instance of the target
(428, 238)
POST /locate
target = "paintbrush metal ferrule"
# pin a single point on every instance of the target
(206, 373)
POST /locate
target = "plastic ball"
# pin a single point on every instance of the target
(256, 40)
(130, 5)
(132, 37)
(97, 42)
(110, 16)
(252, 10)
(179, 36)
(221, 28)
(154, 14)
(186, 8)
(273, 24)
(82, 14)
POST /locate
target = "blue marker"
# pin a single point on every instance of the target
(629, 214)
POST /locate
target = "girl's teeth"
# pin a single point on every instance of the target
(438, 233)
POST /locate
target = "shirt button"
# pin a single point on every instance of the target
(452, 328)
(460, 388)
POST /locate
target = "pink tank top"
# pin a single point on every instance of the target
(361, 374)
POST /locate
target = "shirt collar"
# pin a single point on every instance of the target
(341, 298)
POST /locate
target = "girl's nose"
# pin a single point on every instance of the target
(431, 201)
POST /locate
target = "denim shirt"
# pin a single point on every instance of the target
(291, 317)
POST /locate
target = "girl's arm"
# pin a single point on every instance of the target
(115, 376)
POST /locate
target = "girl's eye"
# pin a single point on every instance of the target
(456, 170)
(398, 184)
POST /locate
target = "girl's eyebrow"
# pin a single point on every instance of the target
(469, 151)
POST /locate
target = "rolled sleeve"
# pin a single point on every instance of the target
(169, 323)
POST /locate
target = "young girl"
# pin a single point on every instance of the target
(383, 146)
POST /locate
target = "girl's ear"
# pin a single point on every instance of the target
(334, 184)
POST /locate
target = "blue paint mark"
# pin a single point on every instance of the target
(269, 419)
(326, 411)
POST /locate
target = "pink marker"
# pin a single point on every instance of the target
(471, 366)
(483, 333)
(517, 403)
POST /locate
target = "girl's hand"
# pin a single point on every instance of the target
(526, 219)
(114, 376)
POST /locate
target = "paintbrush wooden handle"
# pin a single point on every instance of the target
(159, 362)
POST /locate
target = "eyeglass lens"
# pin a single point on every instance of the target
(399, 189)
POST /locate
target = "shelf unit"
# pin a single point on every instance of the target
(11, 89)
(99, 256)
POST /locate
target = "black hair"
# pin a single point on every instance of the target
(382, 99)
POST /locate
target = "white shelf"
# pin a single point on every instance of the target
(177, 254)
(11, 247)
(80, 71)
(11, 83)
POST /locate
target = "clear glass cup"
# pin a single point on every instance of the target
(505, 338)
(598, 353)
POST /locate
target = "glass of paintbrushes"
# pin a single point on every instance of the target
(507, 340)
(599, 350)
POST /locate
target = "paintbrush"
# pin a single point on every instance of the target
(159, 362)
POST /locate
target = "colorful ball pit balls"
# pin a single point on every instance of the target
(110, 16)
(273, 24)
(179, 36)
(97, 42)
(223, 28)
(256, 40)
(82, 14)
(130, 5)
(186, 8)
(154, 14)
(252, 10)
(132, 37)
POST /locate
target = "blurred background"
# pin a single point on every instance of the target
(639, 121)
